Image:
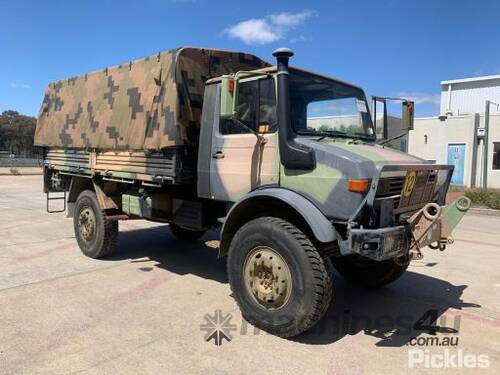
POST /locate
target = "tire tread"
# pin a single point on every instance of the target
(109, 228)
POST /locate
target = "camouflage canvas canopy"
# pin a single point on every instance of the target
(146, 104)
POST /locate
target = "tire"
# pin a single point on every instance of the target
(300, 303)
(185, 234)
(370, 273)
(96, 236)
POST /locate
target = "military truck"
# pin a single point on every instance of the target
(284, 162)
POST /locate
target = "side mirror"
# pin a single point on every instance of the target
(227, 97)
(408, 115)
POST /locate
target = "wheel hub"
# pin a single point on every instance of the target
(86, 221)
(267, 277)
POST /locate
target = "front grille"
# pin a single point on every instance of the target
(422, 192)
(390, 186)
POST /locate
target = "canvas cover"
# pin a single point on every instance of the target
(146, 104)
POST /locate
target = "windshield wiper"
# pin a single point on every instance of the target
(329, 134)
(324, 134)
(335, 133)
(353, 136)
(363, 136)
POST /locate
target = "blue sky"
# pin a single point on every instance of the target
(388, 47)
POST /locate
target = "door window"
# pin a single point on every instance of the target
(255, 109)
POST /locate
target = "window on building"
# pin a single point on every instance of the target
(496, 155)
(255, 108)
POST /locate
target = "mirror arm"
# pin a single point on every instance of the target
(383, 142)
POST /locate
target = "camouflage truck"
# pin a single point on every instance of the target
(284, 162)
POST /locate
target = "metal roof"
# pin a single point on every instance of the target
(471, 79)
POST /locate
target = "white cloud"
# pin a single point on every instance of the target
(268, 29)
(422, 98)
(15, 85)
(291, 19)
(254, 31)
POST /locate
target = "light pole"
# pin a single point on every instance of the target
(487, 141)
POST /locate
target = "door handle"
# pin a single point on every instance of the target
(218, 155)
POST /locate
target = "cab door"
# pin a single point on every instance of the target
(240, 160)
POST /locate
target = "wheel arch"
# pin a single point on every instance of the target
(79, 184)
(277, 202)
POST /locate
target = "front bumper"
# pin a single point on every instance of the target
(377, 244)
(430, 226)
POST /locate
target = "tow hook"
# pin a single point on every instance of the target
(432, 226)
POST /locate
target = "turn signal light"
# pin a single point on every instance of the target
(358, 186)
(231, 86)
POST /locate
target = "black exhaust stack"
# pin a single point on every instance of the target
(292, 154)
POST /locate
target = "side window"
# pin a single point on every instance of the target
(496, 155)
(255, 107)
(247, 102)
(268, 121)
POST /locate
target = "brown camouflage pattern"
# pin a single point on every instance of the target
(147, 104)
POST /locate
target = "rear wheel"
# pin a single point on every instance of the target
(96, 236)
(279, 280)
(185, 234)
(370, 273)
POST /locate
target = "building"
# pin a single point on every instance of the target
(457, 136)
(469, 95)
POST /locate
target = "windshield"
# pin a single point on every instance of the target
(324, 107)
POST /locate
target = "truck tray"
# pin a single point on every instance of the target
(152, 168)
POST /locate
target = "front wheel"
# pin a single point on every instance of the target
(370, 273)
(95, 234)
(281, 283)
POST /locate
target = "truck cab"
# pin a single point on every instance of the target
(317, 141)
(285, 142)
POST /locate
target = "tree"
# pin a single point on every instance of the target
(16, 133)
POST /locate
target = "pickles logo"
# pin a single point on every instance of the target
(411, 179)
